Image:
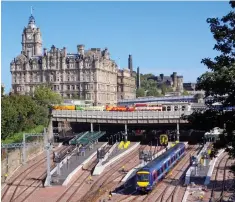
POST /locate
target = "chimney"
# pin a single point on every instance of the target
(65, 51)
(130, 67)
(80, 49)
(138, 78)
(44, 51)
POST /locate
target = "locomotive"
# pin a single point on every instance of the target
(148, 176)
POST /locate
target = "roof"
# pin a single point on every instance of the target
(161, 159)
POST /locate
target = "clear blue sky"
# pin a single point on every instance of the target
(161, 36)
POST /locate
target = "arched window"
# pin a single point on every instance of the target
(168, 108)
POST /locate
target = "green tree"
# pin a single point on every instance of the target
(140, 92)
(46, 97)
(153, 92)
(2, 90)
(219, 84)
(20, 113)
(163, 89)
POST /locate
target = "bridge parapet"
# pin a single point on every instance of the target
(112, 116)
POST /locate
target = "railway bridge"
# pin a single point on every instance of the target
(125, 118)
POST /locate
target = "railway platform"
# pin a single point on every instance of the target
(115, 153)
(71, 164)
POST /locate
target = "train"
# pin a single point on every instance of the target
(131, 108)
(148, 176)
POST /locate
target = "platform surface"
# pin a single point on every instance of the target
(72, 164)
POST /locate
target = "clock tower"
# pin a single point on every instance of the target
(31, 39)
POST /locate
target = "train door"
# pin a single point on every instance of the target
(154, 177)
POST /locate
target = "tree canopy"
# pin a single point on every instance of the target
(140, 92)
(219, 83)
(151, 87)
(23, 112)
(45, 96)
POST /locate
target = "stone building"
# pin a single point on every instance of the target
(87, 74)
(126, 82)
(174, 81)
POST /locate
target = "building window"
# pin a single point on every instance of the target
(168, 108)
(77, 87)
(68, 87)
(54, 87)
(73, 87)
(68, 78)
(58, 87)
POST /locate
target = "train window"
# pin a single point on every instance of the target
(165, 166)
(159, 172)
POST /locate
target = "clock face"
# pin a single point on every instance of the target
(29, 36)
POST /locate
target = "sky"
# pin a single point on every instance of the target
(162, 37)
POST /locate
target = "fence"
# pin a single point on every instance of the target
(12, 158)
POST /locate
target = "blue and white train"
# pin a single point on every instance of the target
(148, 176)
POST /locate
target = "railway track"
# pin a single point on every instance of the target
(164, 195)
(218, 187)
(110, 185)
(82, 178)
(169, 192)
(100, 187)
(14, 188)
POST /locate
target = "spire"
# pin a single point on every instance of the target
(31, 19)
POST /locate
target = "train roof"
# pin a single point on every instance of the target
(160, 160)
